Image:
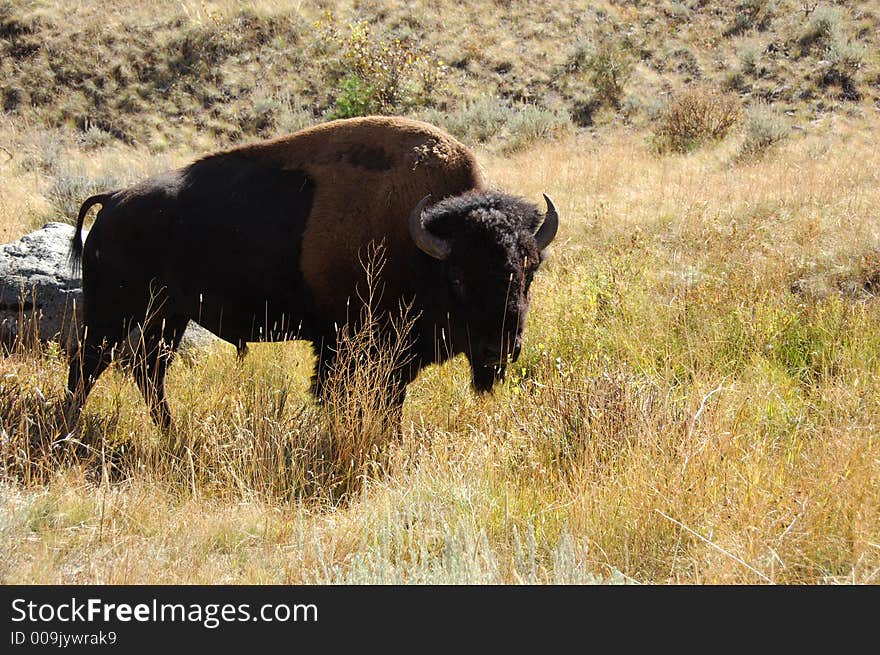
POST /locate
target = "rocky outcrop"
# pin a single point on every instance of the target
(39, 296)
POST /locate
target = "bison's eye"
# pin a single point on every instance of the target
(457, 287)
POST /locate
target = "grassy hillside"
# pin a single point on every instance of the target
(698, 396)
(207, 72)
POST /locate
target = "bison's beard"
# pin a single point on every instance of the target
(483, 378)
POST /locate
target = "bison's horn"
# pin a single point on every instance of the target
(428, 243)
(547, 231)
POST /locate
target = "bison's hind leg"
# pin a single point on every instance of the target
(152, 352)
(95, 352)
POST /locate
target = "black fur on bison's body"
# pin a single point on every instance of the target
(266, 242)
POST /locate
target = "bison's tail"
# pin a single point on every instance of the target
(76, 247)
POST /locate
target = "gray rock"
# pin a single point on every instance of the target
(40, 298)
(197, 338)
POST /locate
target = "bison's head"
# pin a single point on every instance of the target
(484, 249)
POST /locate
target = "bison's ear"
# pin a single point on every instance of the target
(547, 232)
(428, 243)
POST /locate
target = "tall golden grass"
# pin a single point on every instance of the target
(697, 401)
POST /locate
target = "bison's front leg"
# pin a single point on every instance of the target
(357, 374)
(324, 367)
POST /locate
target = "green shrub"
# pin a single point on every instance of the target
(390, 73)
(735, 80)
(355, 98)
(608, 63)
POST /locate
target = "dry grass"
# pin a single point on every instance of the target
(697, 401)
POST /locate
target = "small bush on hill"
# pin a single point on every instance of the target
(477, 121)
(843, 61)
(752, 14)
(749, 56)
(355, 98)
(382, 74)
(608, 63)
(764, 129)
(70, 186)
(530, 124)
(823, 23)
(514, 126)
(695, 116)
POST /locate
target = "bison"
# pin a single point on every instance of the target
(265, 242)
